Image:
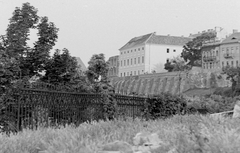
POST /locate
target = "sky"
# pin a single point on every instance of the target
(88, 27)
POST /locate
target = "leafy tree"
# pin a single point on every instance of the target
(192, 50)
(31, 60)
(233, 74)
(61, 68)
(176, 64)
(97, 74)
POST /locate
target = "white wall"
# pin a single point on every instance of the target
(129, 54)
(156, 56)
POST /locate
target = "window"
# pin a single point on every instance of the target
(227, 63)
(216, 53)
(237, 63)
(203, 65)
(222, 64)
(167, 50)
(127, 51)
(135, 60)
(121, 63)
(138, 60)
(223, 50)
(143, 59)
(138, 49)
(135, 50)
(124, 52)
(121, 74)
(131, 61)
(131, 51)
(232, 63)
(167, 60)
(174, 50)
(131, 73)
(142, 48)
(124, 73)
(138, 72)
(128, 62)
(124, 62)
(127, 73)
(236, 48)
(121, 53)
(210, 65)
(134, 72)
(227, 50)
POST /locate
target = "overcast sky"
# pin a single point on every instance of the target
(90, 27)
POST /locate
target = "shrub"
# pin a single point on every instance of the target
(164, 105)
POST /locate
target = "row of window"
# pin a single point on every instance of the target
(229, 49)
(227, 63)
(131, 73)
(168, 50)
(132, 61)
(210, 65)
(213, 65)
(210, 53)
(130, 51)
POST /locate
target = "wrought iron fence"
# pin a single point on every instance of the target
(31, 108)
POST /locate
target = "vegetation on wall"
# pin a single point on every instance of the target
(192, 50)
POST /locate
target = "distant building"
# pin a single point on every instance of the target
(220, 53)
(82, 67)
(149, 53)
(230, 54)
(113, 66)
(221, 33)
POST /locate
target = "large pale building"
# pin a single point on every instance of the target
(218, 54)
(149, 53)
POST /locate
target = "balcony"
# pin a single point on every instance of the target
(228, 55)
(209, 58)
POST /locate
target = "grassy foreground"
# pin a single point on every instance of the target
(185, 133)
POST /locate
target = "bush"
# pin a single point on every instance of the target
(164, 105)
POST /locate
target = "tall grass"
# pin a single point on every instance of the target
(185, 133)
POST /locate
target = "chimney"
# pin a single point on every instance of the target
(235, 30)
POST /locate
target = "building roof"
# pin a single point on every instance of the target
(136, 41)
(80, 62)
(233, 38)
(151, 38)
(168, 40)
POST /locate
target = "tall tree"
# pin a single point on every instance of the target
(31, 60)
(61, 68)
(97, 73)
(192, 50)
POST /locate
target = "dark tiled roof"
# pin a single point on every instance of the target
(235, 37)
(168, 40)
(80, 62)
(136, 41)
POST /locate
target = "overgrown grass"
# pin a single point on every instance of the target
(185, 133)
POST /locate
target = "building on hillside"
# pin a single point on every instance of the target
(149, 53)
(230, 54)
(221, 33)
(82, 67)
(211, 55)
(113, 66)
(220, 53)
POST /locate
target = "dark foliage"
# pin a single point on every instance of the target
(165, 105)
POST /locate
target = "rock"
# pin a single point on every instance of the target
(117, 147)
(236, 110)
(147, 139)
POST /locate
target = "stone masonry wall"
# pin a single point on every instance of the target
(173, 82)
